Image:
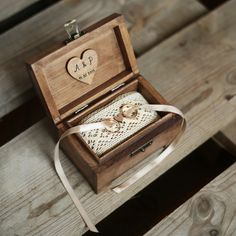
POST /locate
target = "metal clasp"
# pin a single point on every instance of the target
(141, 149)
(72, 29)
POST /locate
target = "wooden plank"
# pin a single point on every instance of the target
(11, 7)
(227, 138)
(186, 69)
(41, 32)
(152, 22)
(212, 211)
(230, 132)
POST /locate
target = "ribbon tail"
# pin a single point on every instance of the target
(138, 175)
(64, 179)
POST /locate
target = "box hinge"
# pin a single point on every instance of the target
(117, 87)
(81, 109)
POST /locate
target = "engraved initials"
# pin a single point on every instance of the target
(83, 69)
(76, 68)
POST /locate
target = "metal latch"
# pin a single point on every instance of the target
(141, 149)
(72, 29)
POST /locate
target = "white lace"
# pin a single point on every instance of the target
(101, 140)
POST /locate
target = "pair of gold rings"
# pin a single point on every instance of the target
(129, 111)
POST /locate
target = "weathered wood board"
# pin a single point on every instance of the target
(150, 22)
(227, 138)
(230, 132)
(41, 32)
(11, 7)
(211, 211)
(190, 69)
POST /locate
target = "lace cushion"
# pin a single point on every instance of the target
(101, 140)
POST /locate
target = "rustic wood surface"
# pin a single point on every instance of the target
(212, 210)
(226, 138)
(190, 70)
(11, 7)
(159, 20)
(230, 132)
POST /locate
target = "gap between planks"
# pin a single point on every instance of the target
(11, 7)
(218, 197)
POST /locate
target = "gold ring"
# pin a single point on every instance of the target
(129, 111)
(111, 125)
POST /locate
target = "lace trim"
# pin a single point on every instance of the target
(101, 140)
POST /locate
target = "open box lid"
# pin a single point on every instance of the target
(64, 77)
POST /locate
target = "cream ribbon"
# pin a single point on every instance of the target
(161, 108)
(61, 173)
(121, 187)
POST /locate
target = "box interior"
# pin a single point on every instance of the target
(135, 84)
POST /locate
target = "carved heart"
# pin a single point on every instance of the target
(83, 69)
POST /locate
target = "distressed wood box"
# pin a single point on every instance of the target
(68, 100)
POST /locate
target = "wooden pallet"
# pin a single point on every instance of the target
(211, 210)
(189, 61)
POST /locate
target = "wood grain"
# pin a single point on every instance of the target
(44, 33)
(212, 211)
(227, 138)
(230, 132)
(150, 22)
(189, 69)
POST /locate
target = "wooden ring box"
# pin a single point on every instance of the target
(68, 100)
